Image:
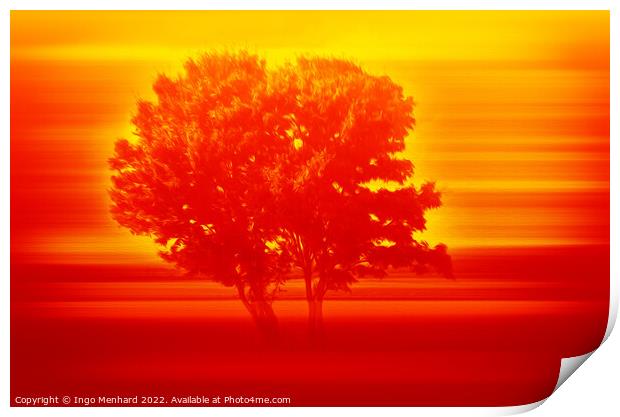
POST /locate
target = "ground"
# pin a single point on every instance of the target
(492, 336)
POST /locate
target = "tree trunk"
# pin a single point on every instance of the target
(311, 322)
(263, 315)
(267, 322)
(319, 315)
(315, 322)
(318, 320)
(313, 335)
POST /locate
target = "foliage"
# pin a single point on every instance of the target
(241, 172)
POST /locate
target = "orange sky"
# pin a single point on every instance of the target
(512, 114)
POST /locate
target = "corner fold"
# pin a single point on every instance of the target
(568, 366)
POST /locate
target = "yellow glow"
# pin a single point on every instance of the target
(507, 102)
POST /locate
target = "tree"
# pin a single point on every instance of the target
(241, 173)
(348, 128)
(196, 178)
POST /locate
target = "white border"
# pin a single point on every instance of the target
(571, 405)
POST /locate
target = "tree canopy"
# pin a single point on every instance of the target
(242, 173)
(348, 129)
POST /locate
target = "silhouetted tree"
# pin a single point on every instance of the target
(195, 179)
(348, 128)
(241, 173)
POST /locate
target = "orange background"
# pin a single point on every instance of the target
(512, 113)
